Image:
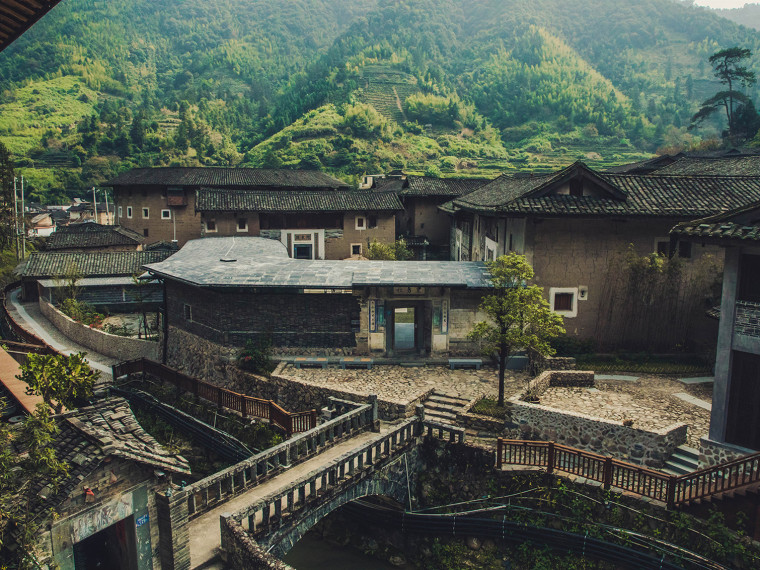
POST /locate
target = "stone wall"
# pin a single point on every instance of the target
(242, 552)
(714, 452)
(119, 347)
(629, 443)
(747, 321)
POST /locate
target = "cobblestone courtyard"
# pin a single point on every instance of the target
(650, 400)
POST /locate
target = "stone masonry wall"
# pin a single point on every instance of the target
(120, 347)
(747, 320)
(241, 551)
(714, 453)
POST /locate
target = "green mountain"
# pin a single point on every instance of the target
(353, 86)
(748, 15)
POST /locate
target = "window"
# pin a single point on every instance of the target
(211, 226)
(372, 222)
(121, 215)
(146, 213)
(564, 301)
(166, 214)
(576, 188)
(661, 246)
(684, 249)
(188, 313)
(242, 225)
(129, 211)
(361, 223)
(145, 232)
(356, 249)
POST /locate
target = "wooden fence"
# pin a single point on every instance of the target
(670, 489)
(291, 422)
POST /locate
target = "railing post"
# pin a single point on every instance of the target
(499, 453)
(244, 406)
(671, 494)
(375, 414)
(550, 458)
(607, 477)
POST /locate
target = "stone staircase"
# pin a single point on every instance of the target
(440, 407)
(684, 460)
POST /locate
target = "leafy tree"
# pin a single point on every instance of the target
(19, 521)
(728, 68)
(396, 251)
(518, 315)
(61, 380)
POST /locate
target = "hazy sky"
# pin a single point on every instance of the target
(724, 3)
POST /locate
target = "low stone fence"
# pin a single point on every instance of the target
(713, 453)
(120, 347)
(636, 445)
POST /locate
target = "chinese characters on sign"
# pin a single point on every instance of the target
(445, 316)
(409, 290)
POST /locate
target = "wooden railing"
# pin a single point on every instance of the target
(351, 419)
(669, 489)
(291, 422)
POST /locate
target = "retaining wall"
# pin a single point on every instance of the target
(714, 452)
(119, 347)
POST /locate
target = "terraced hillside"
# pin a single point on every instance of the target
(386, 89)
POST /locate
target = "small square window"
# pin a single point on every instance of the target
(361, 223)
(242, 225)
(145, 232)
(188, 313)
(661, 246)
(146, 213)
(166, 214)
(684, 249)
(371, 222)
(563, 302)
(211, 226)
(129, 211)
(356, 249)
(121, 215)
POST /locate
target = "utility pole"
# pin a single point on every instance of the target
(95, 204)
(108, 216)
(15, 216)
(23, 220)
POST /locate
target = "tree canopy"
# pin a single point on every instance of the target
(63, 381)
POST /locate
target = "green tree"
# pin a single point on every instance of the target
(20, 522)
(61, 380)
(518, 315)
(728, 68)
(396, 251)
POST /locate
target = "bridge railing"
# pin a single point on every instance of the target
(222, 486)
(452, 434)
(291, 422)
(669, 489)
(268, 512)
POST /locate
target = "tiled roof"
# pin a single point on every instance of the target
(107, 428)
(92, 235)
(90, 264)
(644, 166)
(746, 165)
(627, 195)
(226, 178)
(427, 186)
(742, 224)
(261, 262)
(223, 200)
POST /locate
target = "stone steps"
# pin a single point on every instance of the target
(440, 407)
(684, 460)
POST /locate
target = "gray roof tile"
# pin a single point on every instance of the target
(225, 200)
(110, 263)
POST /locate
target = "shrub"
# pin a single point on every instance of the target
(256, 357)
(81, 312)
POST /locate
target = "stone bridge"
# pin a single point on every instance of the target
(268, 502)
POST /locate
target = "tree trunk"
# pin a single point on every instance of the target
(502, 367)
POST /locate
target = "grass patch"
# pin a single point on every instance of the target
(488, 406)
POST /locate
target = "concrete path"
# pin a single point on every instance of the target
(29, 317)
(205, 537)
(615, 377)
(698, 380)
(692, 400)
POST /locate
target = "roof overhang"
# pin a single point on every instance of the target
(17, 16)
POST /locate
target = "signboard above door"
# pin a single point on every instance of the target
(409, 290)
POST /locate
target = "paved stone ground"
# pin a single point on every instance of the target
(649, 402)
(404, 384)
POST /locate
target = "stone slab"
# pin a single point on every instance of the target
(616, 377)
(692, 400)
(697, 380)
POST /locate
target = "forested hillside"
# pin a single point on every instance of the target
(352, 86)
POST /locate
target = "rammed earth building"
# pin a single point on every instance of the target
(221, 292)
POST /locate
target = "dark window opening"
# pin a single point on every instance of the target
(356, 249)
(372, 222)
(145, 232)
(188, 313)
(211, 225)
(576, 188)
(749, 278)
(662, 248)
(242, 224)
(563, 302)
(684, 249)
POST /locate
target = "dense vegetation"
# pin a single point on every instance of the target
(354, 86)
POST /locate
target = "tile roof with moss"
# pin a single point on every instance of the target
(90, 264)
(743, 165)
(428, 186)
(91, 235)
(225, 200)
(226, 178)
(738, 226)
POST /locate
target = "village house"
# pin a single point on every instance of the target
(312, 224)
(103, 279)
(574, 224)
(735, 416)
(95, 238)
(160, 203)
(222, 292)
(106, 508)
